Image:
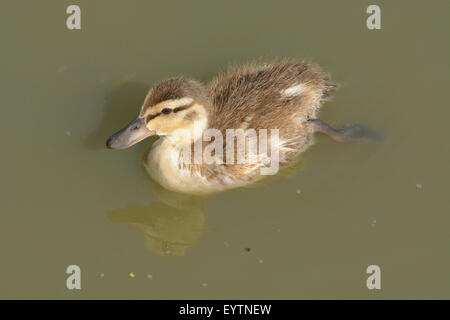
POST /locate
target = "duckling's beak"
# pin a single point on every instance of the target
(134, 132)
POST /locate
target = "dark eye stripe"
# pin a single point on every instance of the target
(153, 116)
(183, 107)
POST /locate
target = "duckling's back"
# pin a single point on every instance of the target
(279, 95)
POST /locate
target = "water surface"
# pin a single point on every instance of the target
(66, 199)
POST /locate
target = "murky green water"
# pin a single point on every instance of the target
(311, 233)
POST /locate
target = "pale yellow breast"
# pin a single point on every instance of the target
(163, 165)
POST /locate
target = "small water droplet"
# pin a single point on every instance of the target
(204, 284)
(102, 275)
(298, 191)
(419, 186)
(68, 132)
(149, 276)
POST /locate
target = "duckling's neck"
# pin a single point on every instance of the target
(196, 122)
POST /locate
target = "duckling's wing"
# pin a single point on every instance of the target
(268, 95)
(280, 95)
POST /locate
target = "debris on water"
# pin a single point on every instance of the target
(68, 132)
(298, 191)
(248, 249)
(374, 222)
(149, 276)
(131, 275)
(204, 284)
(102, 275)
(419, 186)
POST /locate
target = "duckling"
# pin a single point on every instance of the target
(285, 96)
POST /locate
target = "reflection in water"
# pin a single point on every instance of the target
(170, 226)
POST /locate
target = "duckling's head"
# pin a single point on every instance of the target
(176, 108)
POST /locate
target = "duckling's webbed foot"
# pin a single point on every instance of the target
(347, 134)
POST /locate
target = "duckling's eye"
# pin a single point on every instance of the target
(166, 111)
